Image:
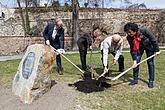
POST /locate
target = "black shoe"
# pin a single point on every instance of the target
(133, 82)
(60, 71)
(151, 84)
(87, 75)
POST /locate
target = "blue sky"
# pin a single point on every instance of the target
(116, 4)
(148, 3)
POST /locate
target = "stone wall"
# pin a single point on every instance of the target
(115, 19)
(17, 44)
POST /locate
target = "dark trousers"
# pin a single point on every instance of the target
(58, 57)
(120, 60)
(83, 54)
(58, 62)
(150, 64)
(82, 45)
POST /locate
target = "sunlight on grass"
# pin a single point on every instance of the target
(7, 71)
(120, 96)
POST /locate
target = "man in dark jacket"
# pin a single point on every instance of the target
(141, 39)
(54, 36)
(84, 42)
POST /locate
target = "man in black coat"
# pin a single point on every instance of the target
(84, 42)
(141, 39)
(54, 36)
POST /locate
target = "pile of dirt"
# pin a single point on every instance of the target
(87, 86)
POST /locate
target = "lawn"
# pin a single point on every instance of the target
(120, 96)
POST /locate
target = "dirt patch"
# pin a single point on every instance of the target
(60, 97)
(87, 86)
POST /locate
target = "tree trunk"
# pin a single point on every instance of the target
(27, 24)
(75, 22)
(21, 14)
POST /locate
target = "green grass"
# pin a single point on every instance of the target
(124, 97)
(7, 71)
(120, 96)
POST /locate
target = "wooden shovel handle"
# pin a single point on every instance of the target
(121, 74)
(69, 60)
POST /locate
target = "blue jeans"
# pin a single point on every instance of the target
(150, 63)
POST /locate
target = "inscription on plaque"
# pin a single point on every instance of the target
(28, 65)
(17, 78)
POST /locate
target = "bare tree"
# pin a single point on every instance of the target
(22, 17)
(27, 23)
(31, 3)
(75, 21)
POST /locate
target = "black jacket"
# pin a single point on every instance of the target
(58, 42)
(84, 40)
(148, 42)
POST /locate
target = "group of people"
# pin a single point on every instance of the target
(139, 38)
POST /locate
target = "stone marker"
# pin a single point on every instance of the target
(32, 79)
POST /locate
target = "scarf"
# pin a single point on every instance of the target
(136, 42)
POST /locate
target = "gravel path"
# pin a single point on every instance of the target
(60, 97)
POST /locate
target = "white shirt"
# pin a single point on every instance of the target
(107, 46)
(54, 32)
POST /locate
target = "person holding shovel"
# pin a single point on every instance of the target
(54, 36)
(114, 45)
(110, 44)
(84, 42)
(141, 39)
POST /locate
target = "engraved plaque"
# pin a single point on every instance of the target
(28, 65)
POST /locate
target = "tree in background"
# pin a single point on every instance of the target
(27, 22)
(75, 23)
(86, 4)
(67, 6)
(73, 6)
(55, 3)
(22, 17)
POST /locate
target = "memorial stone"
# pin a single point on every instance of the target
(32, 79)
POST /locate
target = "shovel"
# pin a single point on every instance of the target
(121, 74)
(101, 78)
(105, 72)
(82, 72)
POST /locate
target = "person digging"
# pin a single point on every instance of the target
(109, 44)
(84, 42)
